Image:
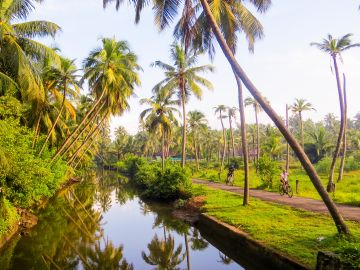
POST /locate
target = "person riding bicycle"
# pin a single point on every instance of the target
(284, 179)
(230, 173)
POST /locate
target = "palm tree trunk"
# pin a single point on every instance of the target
(232, 137)
(309, 168)
(88, 136)
(187, 252)
(92, 117)
(83, 153)
(257, 137)
(224, 143)
(183, 154)
(301, 129)
(342, 162)
(243, 140)
(64, 144)
(163, 151)
(37, 131)
(287, 145)
(330, 185)
(56, 120)
(196, 155)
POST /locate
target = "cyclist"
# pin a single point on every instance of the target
(284, 179)
(230, 175)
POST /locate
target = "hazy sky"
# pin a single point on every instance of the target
(283, 67)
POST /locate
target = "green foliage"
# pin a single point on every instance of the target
(323, 166)
(9, 107)
(171, 184)
(25, 177)
(8, 215)
(350, 253)
(267, 169)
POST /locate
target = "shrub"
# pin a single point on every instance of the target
(237, 162)
(171, 184)
(350, 253)
(323, 166)
(351, 164)
(25, 177)
(267, 170)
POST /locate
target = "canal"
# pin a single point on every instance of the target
(101, 223)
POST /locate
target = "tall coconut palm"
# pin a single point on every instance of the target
(19, 52)
(232, 115)
(220, 109)
(306, 163)
(170, 9)
(160, 118)
(299, 106)
(257, 109)
(183, 78)
(334, 47)
(344, 141)
(65, 77)
(197, 122)
(112, 73)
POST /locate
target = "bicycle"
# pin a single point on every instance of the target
(285, 189)
(230, 178)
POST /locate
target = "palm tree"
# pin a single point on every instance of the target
(160, 117)
(183, 78)
(314, 177)
(257, 109)
(300, 105)
(163, 255)
(169, 10)
(197, 122)
(111, 71)
(19, 52)
(344, 143)
(221, 109)
(334, 47)
(65, 78)
(232, 114)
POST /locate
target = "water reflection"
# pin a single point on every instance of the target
(102, 224)
(163, 254)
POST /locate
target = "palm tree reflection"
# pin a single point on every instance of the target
(162, 253)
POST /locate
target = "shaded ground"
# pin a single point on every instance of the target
(348, 212)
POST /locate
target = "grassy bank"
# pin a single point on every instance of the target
(295, 233)
(347, 191)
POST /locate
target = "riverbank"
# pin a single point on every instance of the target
(293, 233)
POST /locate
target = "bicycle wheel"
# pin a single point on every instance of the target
(289, 192)
(281, 190)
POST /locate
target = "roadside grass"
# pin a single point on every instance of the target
(295, 233)
(347, 191)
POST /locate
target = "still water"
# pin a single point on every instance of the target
(101, 223)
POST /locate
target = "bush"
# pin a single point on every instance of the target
(351, 164)
(24, 176)
(237, 162)
(323, 166)
(350, 253)
(267, 170)
(171, 184)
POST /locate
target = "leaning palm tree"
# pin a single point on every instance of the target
(334, 47)
(165, 16)
(197, 123)
(160, 118)
(183, 78)
(64, 77)
(220, 109)
(299, 106)
(112, 73)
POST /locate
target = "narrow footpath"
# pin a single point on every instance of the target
(348, 212)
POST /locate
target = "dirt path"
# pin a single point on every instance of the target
(348, 212)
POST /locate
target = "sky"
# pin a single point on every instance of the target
(283, 67)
